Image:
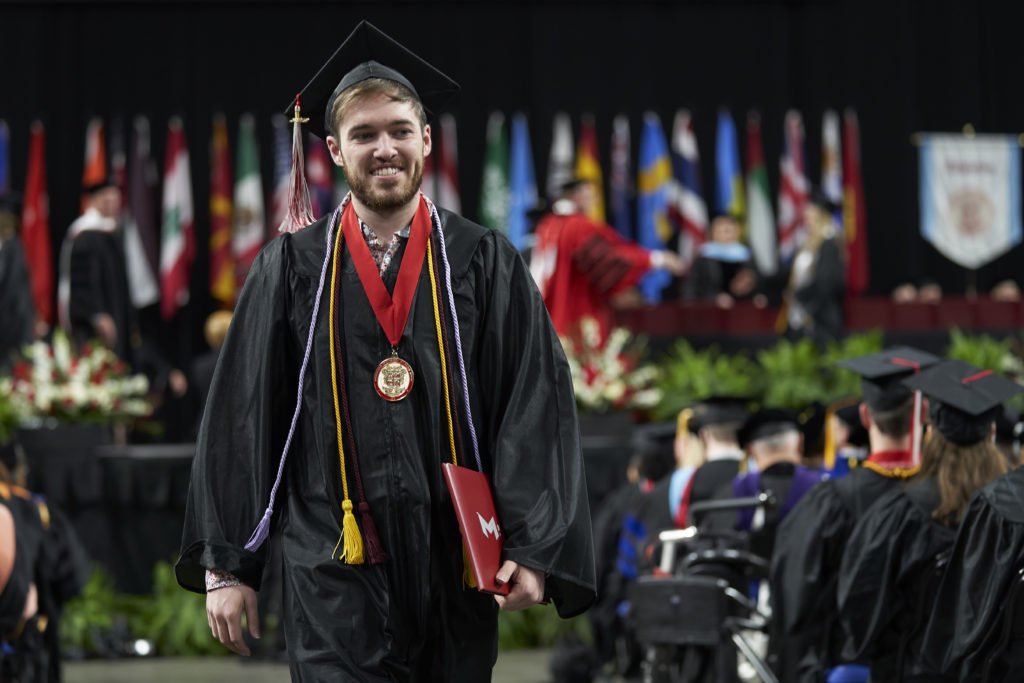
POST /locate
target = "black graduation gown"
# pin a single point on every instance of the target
(808, 551)
(879, 590)
(970, 604)
(99, 284)
(17, 311)
(410, 618)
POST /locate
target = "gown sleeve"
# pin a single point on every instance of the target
(531, 431)
(242, 433)
(808, 550)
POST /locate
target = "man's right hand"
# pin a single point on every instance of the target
(106, 329)
(224, 607)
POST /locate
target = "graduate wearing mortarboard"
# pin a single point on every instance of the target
(810, 541)
(367, 349)
(887, 578)
(982, 587)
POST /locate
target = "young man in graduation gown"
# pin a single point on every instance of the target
(374, 576)
(972, 603)
(580, 264)
(893, 559)
(810, 541)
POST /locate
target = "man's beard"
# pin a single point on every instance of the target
(383, 201)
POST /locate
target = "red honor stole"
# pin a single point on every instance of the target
(393, 378)
(893, 464)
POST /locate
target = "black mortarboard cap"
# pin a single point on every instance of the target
(881, 373)
(818, 198)
(102, 184)
(765, 423)
(850, 414)
(965, 399)
(718, 410)
(368, 52)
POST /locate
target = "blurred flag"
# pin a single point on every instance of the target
(728, 169)
(522, 184)
(340, 184)
(686, 206)
(95, 168)
(446, 179)
(428, 184)
(831, 162)
(760, 220)
(494, 194)
(250, 221)
(141, 244)
(118, 156)
(5, 157)
(854, 213)
(222, 267)
(560, 156)
(35, 226)
(318, 175)
(619, 185)
(282, 173)
(588, 165)
(653, 227)
(794, 188)
(177, 246)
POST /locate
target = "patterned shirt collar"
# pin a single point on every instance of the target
(381, 253)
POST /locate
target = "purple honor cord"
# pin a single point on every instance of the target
(458, 335)
(263, 528)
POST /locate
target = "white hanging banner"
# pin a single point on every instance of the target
(970, 196)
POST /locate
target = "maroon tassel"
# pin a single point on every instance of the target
(300, 208)
(372, 548)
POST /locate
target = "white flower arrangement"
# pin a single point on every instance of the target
(609, 376)
(93, 385)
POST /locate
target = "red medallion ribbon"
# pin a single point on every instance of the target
(392, 312)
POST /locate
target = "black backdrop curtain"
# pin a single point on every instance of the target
(903, 66)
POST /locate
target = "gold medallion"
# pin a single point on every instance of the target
(393, 379)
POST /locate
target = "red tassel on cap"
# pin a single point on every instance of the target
(300, 209)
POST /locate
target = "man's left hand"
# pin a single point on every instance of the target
(527, 586)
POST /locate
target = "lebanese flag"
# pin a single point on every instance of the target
(177, 248)
(794, 188)
(854, 214)
(222, 266)
(95, 168)
(446, 177)
(35, 226)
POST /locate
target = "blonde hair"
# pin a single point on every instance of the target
(393, 90)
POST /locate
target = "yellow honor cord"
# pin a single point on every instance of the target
(352, 552)
(892, 472)
(440, 352)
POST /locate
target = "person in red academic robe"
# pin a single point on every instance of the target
(581, 265)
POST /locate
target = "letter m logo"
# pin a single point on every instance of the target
(490, 527)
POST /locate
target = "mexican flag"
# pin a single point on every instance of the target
(249, 218)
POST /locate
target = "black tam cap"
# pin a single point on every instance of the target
(881, 374)
(103, 184)
(965, 399)
(766, 423)
(368, 52)
(720, 410)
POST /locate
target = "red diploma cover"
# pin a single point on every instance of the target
(474, 507)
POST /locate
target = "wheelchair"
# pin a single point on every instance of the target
(692, 617)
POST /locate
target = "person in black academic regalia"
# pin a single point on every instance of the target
(810, 541)
(971, 603)
(887, 577)
(724, 270)
(322, 366)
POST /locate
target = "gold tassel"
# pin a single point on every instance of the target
(468, 577)
(353, 549)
